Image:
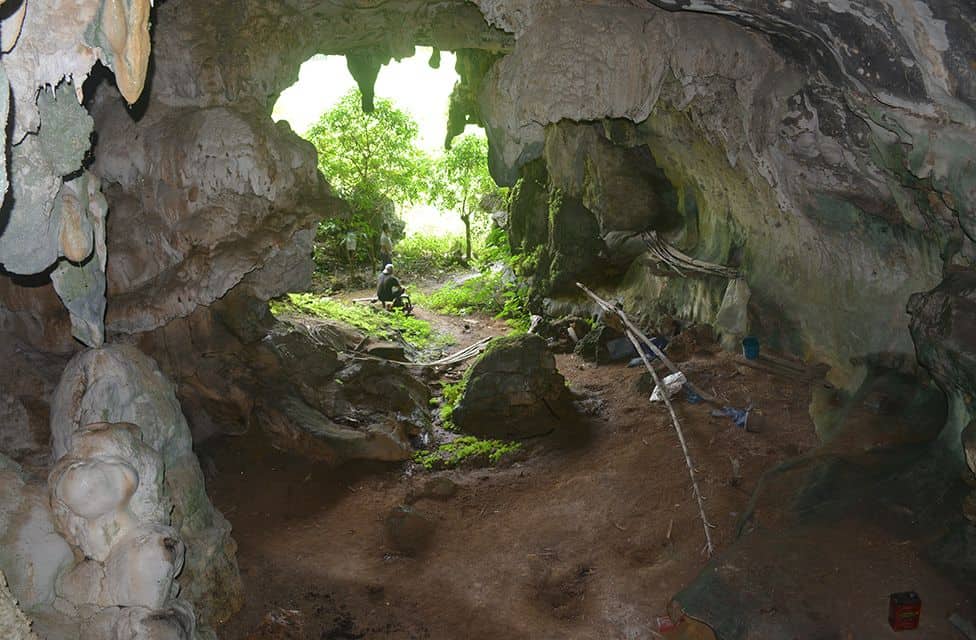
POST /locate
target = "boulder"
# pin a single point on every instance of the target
(564, 334)
(387, 351)
(295, 426)
(318, 401)
(514, 390)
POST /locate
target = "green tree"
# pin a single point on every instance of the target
(463, 179)
(371, 158)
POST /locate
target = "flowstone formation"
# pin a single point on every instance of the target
(121, 541)
(56, 213)
(153, 504)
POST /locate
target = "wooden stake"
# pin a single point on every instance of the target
(684, 446)
(632, 335)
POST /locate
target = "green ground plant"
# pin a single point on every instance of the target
(498, 290)
(450, 396)
(387, 325)
(482, 293)
(420, 255)
(451, 454)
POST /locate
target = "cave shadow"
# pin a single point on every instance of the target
(832, 533)
(337, 608)
(252, 482)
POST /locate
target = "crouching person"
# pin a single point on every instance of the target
(391, 292)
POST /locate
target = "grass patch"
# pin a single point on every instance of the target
(490, 292)
(482, 293)
(421, 255)
(386, 325)
(451, 454)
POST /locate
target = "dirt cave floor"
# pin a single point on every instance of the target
(584, 538)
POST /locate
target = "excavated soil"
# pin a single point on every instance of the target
(585, 537)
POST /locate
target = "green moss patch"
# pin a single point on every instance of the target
(465, 448)
(386, 325)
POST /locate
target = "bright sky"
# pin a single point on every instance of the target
(411, 84)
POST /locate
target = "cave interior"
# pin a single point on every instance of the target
(812, 163)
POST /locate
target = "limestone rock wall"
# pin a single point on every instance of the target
(56, 213)
(820, 149)
(228, 193)
(836, 198)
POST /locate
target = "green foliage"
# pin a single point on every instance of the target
(462, 179)
(555, 203)
(494, 291)
(421, 254)
(328, 250)
(482, 293)
(457, 451)
(515, 310)
(490, 293)
(371, 158)
(450, 396)
(386, 325)
(495, 249)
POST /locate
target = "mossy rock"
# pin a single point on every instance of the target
(513, 391)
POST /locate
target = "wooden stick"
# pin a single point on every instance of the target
(468, 352)
(671, 255)
(684, 446)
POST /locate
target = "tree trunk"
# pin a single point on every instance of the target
(467, 236)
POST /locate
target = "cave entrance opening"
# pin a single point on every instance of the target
(416, 185)
(419, 87)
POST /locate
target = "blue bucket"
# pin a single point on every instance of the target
(750, 347)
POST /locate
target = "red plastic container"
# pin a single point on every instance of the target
(904, 610)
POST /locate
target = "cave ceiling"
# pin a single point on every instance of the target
(858, 102)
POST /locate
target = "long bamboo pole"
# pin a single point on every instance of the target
(709, 548)
(632, 334)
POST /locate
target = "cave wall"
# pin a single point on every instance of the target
(836, 190)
